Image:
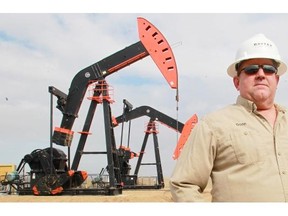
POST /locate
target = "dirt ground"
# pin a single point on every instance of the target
(128, 195)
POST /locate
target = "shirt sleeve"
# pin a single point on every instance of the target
(193, 168)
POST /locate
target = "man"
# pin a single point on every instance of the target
(243, 147)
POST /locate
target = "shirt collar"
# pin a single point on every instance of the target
(251, 106)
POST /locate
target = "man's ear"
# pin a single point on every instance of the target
(236, 82)
(277, 78)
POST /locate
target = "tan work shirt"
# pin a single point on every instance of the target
(245, 157)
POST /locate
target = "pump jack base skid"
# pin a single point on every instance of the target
(132, 187)
(81, 191)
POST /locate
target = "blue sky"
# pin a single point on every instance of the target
(42, 49)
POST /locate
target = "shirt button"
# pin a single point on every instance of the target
(279, 154)
(284, 172)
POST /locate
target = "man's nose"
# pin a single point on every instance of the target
(260, 72)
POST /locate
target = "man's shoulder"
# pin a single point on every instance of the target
(282, 108)
(222, 112)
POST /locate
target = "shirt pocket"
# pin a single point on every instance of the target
(246, 146)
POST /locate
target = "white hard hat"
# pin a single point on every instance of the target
(257, 47)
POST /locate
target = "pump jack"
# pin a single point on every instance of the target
(130, 114)
(155, 116)
(51, 175)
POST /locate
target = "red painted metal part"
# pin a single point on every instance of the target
(189, 125)
(159, 50)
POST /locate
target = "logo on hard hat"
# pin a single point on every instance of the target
(262, 44)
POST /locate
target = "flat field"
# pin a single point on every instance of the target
(128, 195)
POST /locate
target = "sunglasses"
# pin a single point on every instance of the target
(253, 69)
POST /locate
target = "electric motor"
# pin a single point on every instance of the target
(12, 176)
